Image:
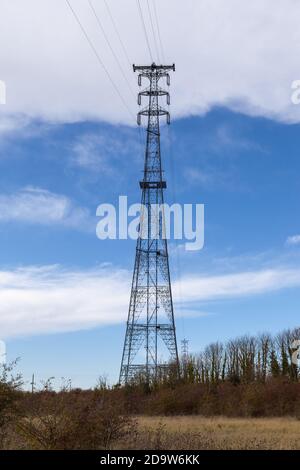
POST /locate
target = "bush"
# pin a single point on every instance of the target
(74, 420)
(10, 385)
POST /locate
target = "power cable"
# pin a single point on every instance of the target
(158, 30)
(177, 246)
(99, 58)
(153, 31)
(117, 33)
(145, 29)
(110, 47)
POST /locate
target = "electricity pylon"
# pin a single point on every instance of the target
(150, 331)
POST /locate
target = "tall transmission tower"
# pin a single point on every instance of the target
(150, 331)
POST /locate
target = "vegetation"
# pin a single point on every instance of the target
(242, 380)
(218, 433)
(246, 359)
(10, 395)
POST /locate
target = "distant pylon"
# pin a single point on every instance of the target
(184, 349)
(150, 332)
(32, 383)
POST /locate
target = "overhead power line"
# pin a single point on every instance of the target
(126, 55)
(101, 63)
(153, 31)
(111, 48)
(158, 30)
(145, 29)
(117, 33)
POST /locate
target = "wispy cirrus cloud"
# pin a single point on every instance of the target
(228, 138)
(218, 151)
(209, 177)
(48, 299)
(293, 240)
(9, 124)
(33, 205)
(241, 284)
(90, 152)
(102, 150)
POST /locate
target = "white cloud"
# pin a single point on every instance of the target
(86, 153)
(239, 54)
(94, 151)
(212, 170)
(39, 206)
(208, 177)
(240, 284)
(46, 299)
(226, 137)
(293, 240)
(49, 299)
(8, 124)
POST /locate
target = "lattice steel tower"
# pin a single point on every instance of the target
(150, 332)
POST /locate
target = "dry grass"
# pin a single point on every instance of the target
(196, 432)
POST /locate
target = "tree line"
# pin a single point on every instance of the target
(245, 359)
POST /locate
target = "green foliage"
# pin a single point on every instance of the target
(274, 365)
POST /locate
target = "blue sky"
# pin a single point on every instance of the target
(245, 171)
(68, 144)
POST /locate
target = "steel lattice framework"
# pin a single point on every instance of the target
(150, 330)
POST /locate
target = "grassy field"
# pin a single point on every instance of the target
(196, 432)
(169, 433)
